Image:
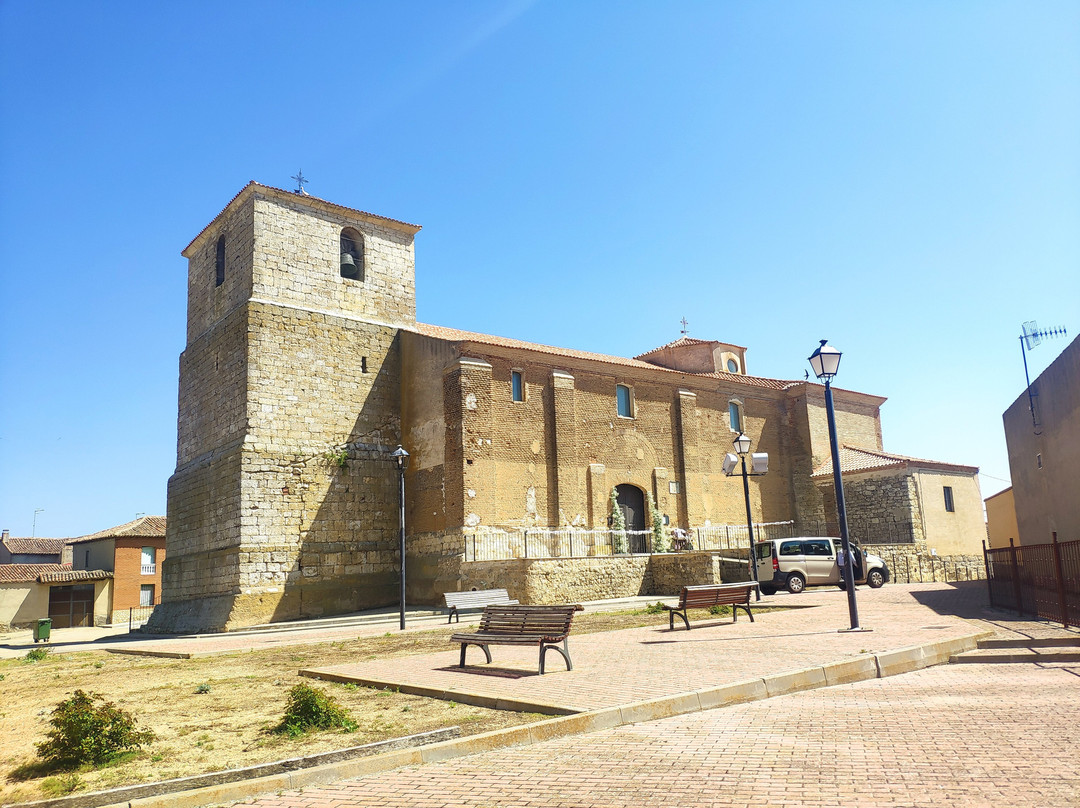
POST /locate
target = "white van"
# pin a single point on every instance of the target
(796, 563)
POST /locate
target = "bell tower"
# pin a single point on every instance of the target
(283, 502)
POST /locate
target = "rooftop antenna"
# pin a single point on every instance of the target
(685, 330)
(33, 532)
(301, 180)
(1029, 339)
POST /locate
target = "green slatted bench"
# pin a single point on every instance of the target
(737, 596)
(542, 626)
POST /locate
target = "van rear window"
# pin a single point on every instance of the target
(763, 551)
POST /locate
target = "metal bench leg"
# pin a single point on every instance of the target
(565, 651)
(484, 648)
(685, 619)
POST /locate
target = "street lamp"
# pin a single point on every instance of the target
(401, 457)
(825, 361)
(759, 463)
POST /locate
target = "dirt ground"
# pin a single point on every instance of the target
(227, 726)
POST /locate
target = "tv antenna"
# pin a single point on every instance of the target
(1030, 338)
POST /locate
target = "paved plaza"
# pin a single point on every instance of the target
(960, 735)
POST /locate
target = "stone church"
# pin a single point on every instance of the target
(305, 367)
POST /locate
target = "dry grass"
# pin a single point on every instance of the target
(227, 726)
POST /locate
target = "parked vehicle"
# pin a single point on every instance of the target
(796, 563)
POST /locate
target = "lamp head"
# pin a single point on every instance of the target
(742, 444)
(825, 361)
(401, 457)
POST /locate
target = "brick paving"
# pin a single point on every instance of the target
(619, 667)
(971, 735)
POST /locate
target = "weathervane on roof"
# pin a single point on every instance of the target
(685, 330)
(300, 181)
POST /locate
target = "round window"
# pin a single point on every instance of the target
(732, 366)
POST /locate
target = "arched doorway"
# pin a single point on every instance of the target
(631, 501)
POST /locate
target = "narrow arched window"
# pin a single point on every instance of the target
(734, 409)
(219, 262)
(352, 255)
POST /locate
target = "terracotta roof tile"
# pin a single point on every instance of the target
(470, 337)
(35, 546)
(685, 340)
(855, 459)
(24, 573)
(65, 575)
(150, 527)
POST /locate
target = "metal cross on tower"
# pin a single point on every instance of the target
(301, 180)
(684, 331)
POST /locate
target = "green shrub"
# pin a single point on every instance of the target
(309, 708)
(203, 688)
(719, 610)
(659, 536)
(36, 654)
(655, 608)
(88, 729)
(618, 526)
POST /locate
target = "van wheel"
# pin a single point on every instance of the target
(767, 590)
(795, 583)
(874, 579)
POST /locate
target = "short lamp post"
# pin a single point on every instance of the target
(759, 463)
(401, 457)
(825, 361)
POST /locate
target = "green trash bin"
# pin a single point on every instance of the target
(43, 629)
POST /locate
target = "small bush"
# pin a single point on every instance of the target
(655, 608)
(88, 729)
(309, 708)
(203, 688)
(719, 610)
(62, 785)
(36, 654)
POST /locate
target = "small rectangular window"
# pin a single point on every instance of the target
(735, 416)
(948, 499)
(517, 386)
(149, 561)
(146, 595)
(673, 486)
(623, 402)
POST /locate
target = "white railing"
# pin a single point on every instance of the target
(149, 569)
(501, 544)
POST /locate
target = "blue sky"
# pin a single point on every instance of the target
(900, 178)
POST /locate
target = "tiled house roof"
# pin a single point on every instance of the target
(67, 575)
(145, 527)
(683, 341)
(24, 573)
(854, 460)
(472, 338)
(35, 546)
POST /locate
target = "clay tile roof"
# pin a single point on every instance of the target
(469, 337)
(685, 340)
(66, 574)
(35, 546)
(854, 459)
(24, 573)
(149, 527)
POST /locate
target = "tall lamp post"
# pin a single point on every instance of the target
(401, 457)
(759, 463)
(825, 361)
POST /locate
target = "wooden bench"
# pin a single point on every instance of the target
(737, 596)
(544, 626)
(474, 599)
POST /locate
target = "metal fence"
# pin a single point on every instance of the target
(501, 544)
(1037, 579)
(864, 531)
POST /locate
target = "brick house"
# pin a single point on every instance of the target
(132, 553)
(305, 367)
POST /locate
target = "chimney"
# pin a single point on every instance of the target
(5, 535)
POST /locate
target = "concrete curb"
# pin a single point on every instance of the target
(861, 668)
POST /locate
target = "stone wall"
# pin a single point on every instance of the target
(913, 564)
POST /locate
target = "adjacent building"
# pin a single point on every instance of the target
(1042, 432)
(132, 554)
(305, 367)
